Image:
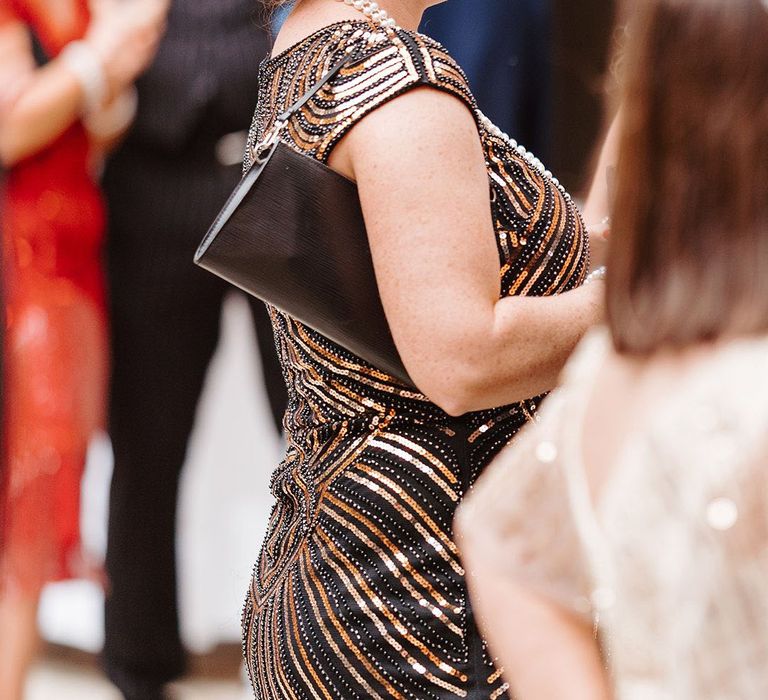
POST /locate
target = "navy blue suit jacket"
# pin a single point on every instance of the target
(505, 48)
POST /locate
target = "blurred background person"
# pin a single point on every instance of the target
(505, 48)
(637, 509)
(54, 124)
(165, 184)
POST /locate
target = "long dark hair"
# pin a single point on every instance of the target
(688, 260)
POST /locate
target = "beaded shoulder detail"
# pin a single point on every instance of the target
(386, 64)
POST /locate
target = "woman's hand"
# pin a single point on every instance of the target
(599, 234)
(125, 35)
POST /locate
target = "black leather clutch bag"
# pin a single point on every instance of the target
(292, 234)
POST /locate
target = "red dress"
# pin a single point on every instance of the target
(52, 217)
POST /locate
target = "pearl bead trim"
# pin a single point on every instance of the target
(380, 17)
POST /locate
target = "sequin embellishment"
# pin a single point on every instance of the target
(359, 591)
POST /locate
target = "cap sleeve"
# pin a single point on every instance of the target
(519, 519)
(386, 66)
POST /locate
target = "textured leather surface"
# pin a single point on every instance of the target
(293, 235)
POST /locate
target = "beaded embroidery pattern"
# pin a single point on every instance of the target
(359, 591)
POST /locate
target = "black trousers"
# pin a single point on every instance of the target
(165, 327)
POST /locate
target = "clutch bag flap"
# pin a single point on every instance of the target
(292, 234)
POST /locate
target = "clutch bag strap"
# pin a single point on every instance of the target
(261, 151)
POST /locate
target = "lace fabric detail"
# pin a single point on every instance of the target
(672, 559)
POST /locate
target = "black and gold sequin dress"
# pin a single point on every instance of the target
(359, 591)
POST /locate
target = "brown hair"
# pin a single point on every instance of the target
(271, 5)
(688, 259)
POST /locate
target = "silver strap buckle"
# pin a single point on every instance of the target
(260, 150)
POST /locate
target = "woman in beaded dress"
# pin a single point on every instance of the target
(637, 507)
(480, 255)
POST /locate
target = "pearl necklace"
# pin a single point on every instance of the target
(380, 17)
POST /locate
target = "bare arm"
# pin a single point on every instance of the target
(527, 569)
(424, 192)
(37, 105)
(547, 652)
(598, 204)
(598, 207)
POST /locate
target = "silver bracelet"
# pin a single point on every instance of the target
(87, 67)
(596, 275)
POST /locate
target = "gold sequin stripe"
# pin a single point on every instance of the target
(396, 496)
(286, 522)
(440, 601)
(366, 404)
(358, 105)
(318, 590)
(531, 220)
(290, 537)
(575, 242)
(327, 359)
(302, 664)
(427, 60)
(337, 365)
(414, 461)
(346, 402)
(360, 78)
(283, 686)
(345, 567)
(499, 691)
(567, 272)
(437, 463)
(582, 256)
(305, 666)
(282, 531)
(495, 675)
(327, 474)
(512, 191)
(538, 263)
(492, 422)
(335, 136)
(529, 411)
(268, 680)
(341, 367)
(319, 393)
(345, 461)
(549, 244)
(532, 269)
(298, 367)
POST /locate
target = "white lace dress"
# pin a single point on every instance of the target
(670, 558)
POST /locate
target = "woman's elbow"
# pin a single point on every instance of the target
(463, 525)
(450, 386)
(10, 155)
(470, 532)
(453, 404)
